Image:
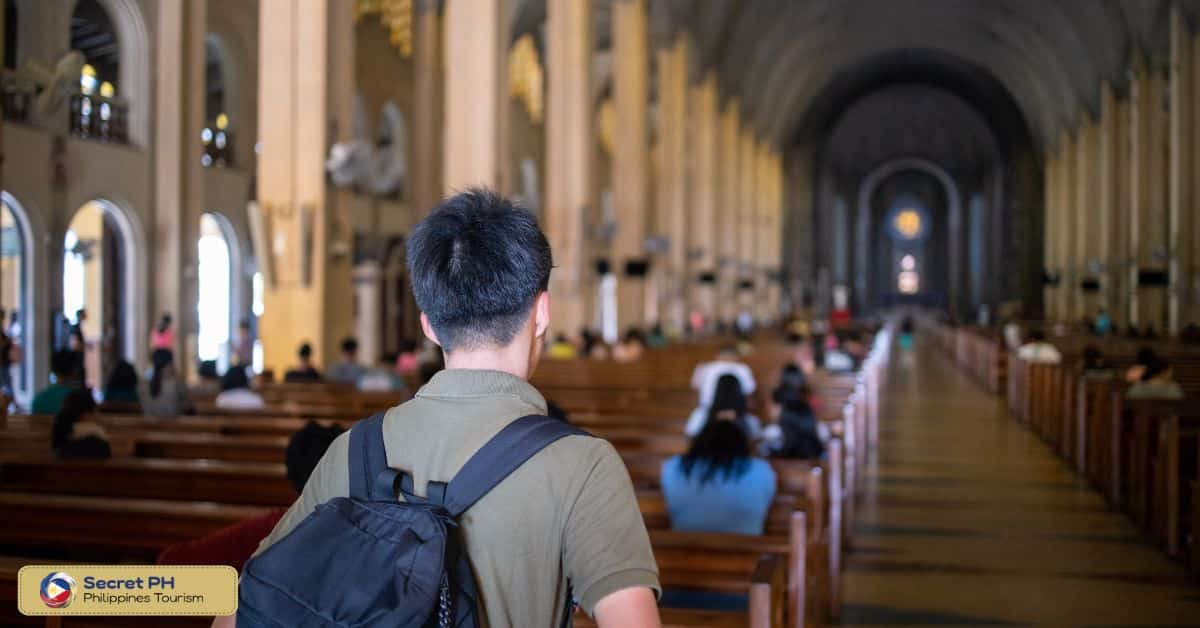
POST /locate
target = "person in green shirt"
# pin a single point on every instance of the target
(65, 365)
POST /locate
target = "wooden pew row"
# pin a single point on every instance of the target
(1131, 449)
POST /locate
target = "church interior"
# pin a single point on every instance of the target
(971, 226)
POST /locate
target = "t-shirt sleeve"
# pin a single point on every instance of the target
(331, 478)
(747, 378)
(605, 542)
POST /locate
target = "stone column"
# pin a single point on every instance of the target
(1050, 293)
(1112, 236)
(1084, 224)
(180, 85)
(631, 158)
(301, 97)
(569, 146)
(425, 170)
(369, 304)
(1149, 220)
(1182, 172)
(1066, 227)
(728, 217)
(676, 146)
(747, 220)
(704, 229)
(470, 147)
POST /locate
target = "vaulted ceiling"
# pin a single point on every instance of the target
(779, 57)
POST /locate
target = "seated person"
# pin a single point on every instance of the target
(408, 360)
(382, 378)
(561, 348)
(122, 383)
(165, 395)
(717, 486)
(210, 379)
(67, 368)
(1093, 363)
(729, 403)
(234, 544)
(236, 393)
(631, 347)
(304, 372)
(704, 379)
(657, 339)
(1158, 382)
(837, 358)
(348, 370)
(796, 433)
(1038, 351)
(1144, 358)
(75, 433)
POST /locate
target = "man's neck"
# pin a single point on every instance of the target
(505, 360)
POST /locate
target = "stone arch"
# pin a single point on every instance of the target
(35, 334)
(133, 38)
(864, 227)
(135, 297)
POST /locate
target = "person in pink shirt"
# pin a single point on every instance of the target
(163, 337)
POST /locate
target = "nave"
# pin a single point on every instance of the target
(968, 519)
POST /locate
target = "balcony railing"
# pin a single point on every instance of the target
(97, 117)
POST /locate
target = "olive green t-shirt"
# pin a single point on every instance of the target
(568, 513)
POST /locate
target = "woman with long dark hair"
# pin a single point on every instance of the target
(718, 486)
(165, 396)
(75, 433)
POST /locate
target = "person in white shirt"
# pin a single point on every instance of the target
(236, 393)
(704, 381)
(1038, 351)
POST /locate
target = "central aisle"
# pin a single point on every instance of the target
(969, 520)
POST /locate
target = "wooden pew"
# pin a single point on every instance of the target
(136, 528)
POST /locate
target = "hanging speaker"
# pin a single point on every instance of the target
(637, 267)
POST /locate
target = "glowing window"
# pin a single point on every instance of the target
(74, 281)
(908, 282)
(908, 262)
(257, 290)
(908, 223)
(215, 287)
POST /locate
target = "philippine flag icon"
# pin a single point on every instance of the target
(57, 590)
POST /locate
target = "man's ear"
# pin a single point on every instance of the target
(541, 315)
(428, 330)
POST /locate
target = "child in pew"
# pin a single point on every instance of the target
(718, 486)
(75, 433)
(236, 393)
(165, 396)
(233, 545)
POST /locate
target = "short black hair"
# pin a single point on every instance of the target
(349, 345)
(234, 379)
(478, 262)
(305, 449)
(64, 363)
(305, 350)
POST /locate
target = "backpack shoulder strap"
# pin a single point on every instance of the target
(504, 453)
(368, 459)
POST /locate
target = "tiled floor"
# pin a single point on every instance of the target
(969, 520)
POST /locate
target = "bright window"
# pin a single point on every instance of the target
(214, 284)
(74, 279)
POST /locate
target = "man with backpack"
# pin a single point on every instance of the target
(464, 506)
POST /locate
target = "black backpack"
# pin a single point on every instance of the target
(372, 560)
